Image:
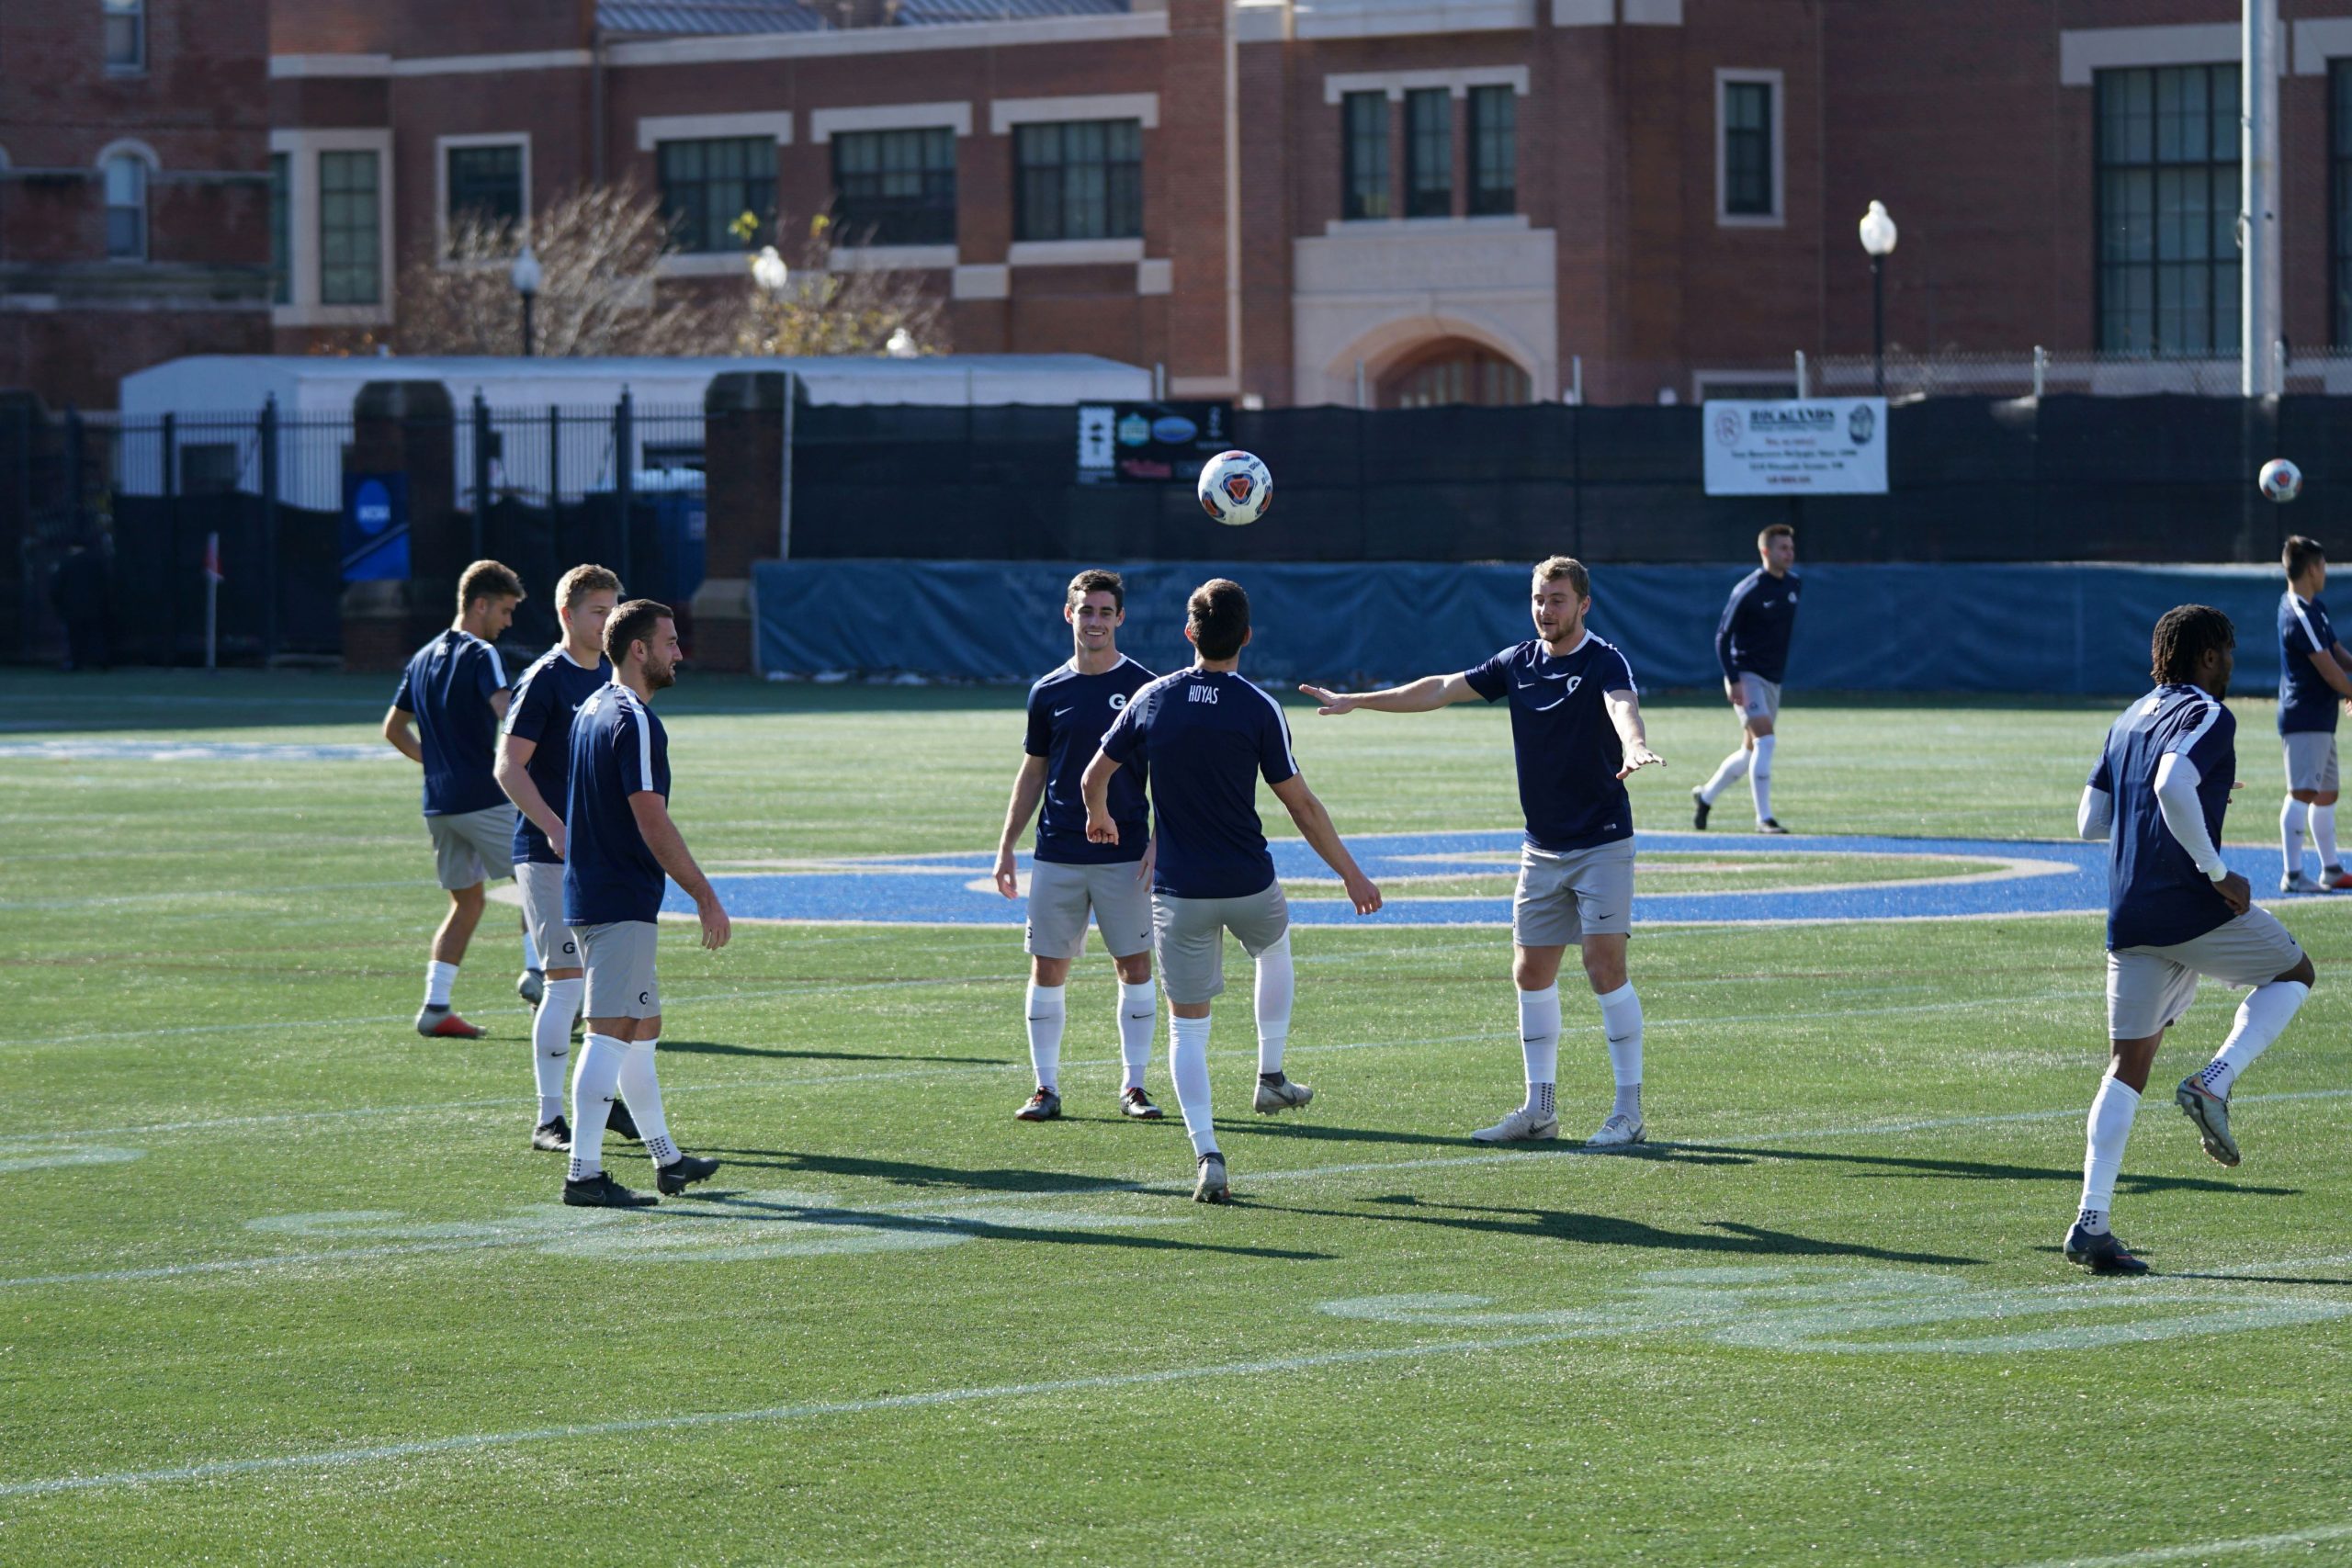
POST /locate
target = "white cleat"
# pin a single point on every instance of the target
(531, 985)
(1522, 1125)
(1617, 1131)
(2295, 884)
(1283, 1096)
(1212, 1188)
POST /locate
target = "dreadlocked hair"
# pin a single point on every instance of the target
(2184, 636)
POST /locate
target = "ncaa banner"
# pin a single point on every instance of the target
(1805, 446)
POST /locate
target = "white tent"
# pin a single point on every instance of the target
(216, 402)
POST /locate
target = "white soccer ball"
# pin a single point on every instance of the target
(2280, 479)
(1235, 489)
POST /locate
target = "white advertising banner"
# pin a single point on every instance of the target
(1805, 446)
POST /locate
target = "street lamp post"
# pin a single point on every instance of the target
(1877, 231)
(524, 276)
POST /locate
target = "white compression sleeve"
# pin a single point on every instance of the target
(1047, 1011)
(2292, 816)
(2183, 815)
(551, 1041)
(2095, 817)
(1277, 981)
(640, 1086)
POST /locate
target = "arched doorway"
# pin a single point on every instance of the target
(1453, 370)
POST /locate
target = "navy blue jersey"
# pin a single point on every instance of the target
(1568, 751)
(2155, 894)
(1068, 715)
(1207, 737)
(618, 750)
(448, 685)
(551, 691)
(2306, 702)
(1759, 619)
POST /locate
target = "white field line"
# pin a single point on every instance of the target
(796, 1082)
(2244, 1546)
(1110, 1189)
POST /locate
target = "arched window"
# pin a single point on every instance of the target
(1454, 370)
(126, 177)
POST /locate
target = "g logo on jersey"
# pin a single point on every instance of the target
(1118, 701)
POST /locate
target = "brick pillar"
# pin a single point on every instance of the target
(407, 427)
(743, 501)
(1190, 154)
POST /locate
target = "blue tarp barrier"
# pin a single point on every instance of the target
(2003, 628)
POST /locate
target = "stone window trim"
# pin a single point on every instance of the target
(824, 124)
(304, 147)
(1006, 113)
(1778, 218)
(654, 130)
(1457, 81)
(442, 146)
(133, 61)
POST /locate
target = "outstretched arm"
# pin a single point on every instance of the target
(669, 846)
(1314, 827)
(1625, 713)
(1424, 695)
(1028, 789)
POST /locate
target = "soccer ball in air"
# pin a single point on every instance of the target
(1235, 489)
(2280, 479)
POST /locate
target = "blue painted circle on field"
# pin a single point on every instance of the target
(2033, 877)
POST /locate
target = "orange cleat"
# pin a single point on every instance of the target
(441, 1023)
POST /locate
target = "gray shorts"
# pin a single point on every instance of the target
(542, 889)
(1760, 698)
(1188, 937)
(2311, 761)
(473, 847)
(1564, 898)
(619, 961)
(2149, 987)
(1060, 896)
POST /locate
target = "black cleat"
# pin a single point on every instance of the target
(672, 1178)
(552, 1135)
(1699, 809)
(621, 1124)
(1769, 825)
(601, 1192)
(2101, 1253)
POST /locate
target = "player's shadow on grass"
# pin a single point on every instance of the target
(1310, 1132)
(906, 1173)
(999, 1230)
(1978, 1170)
(714, 1048)
(1608, 1230)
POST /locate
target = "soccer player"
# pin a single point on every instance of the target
(1068, 712)
(535, 767)
(619, 841)
(1207, 736)
(1576, 726)
(2175, 911)
(1752, 645)
(2311, 680)
(446, 716)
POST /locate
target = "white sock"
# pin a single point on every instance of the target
(1046, 1015)
(1188, 1067)
(2291, 818)
(2109, 1130)
(1728, 773)
(641, 1086)
(1138, 1010)
(551, 1042)
(438, 979)
(2323, 836)
(1539, 1044)
(530, 950)
(1759, 777)
(593, 1078)
(1621, 1016)
(1277, 982)
(2262, 1018)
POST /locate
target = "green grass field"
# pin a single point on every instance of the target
(283, 1282)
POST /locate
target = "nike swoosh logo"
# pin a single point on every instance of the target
(1547, 707)
(1561, 676)
(1059, 712)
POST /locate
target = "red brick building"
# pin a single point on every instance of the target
(134, 188)
(1464, 198)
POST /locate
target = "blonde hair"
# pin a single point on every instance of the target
(1551, 568)
(486, 579)
(581, 582)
